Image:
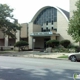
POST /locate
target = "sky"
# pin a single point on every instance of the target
(24, 10)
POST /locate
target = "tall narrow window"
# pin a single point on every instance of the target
(52, 28)
(46, 22)
(52, 22)
(55, 19)
(46, 28)
(42, 29)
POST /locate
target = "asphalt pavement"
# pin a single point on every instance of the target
(20, 68)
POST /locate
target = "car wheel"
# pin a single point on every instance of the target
(73, 58)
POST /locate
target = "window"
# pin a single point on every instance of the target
(46, 28)
(52, 22)
(55, 19)
(55, 29)
(52, 16)
(46, 22)
(52, 28)
(55, 12)
(42, 29)
(49, 15)
(49, 19)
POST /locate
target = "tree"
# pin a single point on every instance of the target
(74, 24)
(6, 26)
(21, 45)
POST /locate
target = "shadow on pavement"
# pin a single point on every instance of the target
(33, 74)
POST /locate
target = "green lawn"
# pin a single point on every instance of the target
(63, 56)
(3, 52)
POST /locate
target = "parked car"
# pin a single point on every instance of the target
(74, 57)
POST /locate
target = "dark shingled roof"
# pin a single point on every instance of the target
(65, 12)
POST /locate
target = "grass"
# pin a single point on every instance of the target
(63, 56)
(3, 52)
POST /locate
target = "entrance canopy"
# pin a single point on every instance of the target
(34, 34)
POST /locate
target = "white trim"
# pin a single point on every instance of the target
(39, 11)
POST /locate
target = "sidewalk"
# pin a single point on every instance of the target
(35, 54)
(47, 55)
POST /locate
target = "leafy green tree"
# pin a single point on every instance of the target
(74, 24)
(21, 45)
(6, 26)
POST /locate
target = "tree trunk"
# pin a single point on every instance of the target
(19, 49)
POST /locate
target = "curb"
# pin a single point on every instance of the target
(45, 58)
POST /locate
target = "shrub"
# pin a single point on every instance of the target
(72, 46)
(49, 43)
(65, 43)
(52, 43)
(21, 44)
(63, 50)
(77, 49)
